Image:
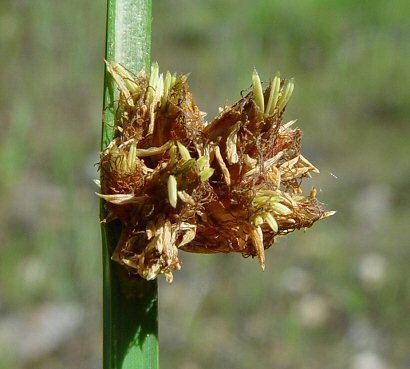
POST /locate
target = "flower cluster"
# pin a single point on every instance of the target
(177, 183)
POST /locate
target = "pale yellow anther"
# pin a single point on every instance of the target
(203, 162)
(152, 83)
(257, 221)
(128, 78)
(132, 157)
(286, 94)
(159, 90)
(172, 155)
(206, 174)
(271, 221)
(185, 197)
(273, 95)
(120, 82)
(258, 91)
(167, 88)
(281, 209)
(172, 191)
(262, 200)
(185, 155)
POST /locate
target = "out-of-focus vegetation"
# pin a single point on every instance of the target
(336, 296)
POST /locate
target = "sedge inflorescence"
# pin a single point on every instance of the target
(177, 183)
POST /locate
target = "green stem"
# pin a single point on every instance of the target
(130, 313)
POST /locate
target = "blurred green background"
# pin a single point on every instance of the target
(337, 296)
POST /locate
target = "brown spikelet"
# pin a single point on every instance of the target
(175, 183)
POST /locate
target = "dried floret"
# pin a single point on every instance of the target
(175, 183)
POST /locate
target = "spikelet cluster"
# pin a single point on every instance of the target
(177, 183)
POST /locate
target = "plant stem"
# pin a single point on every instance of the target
(130, 309)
